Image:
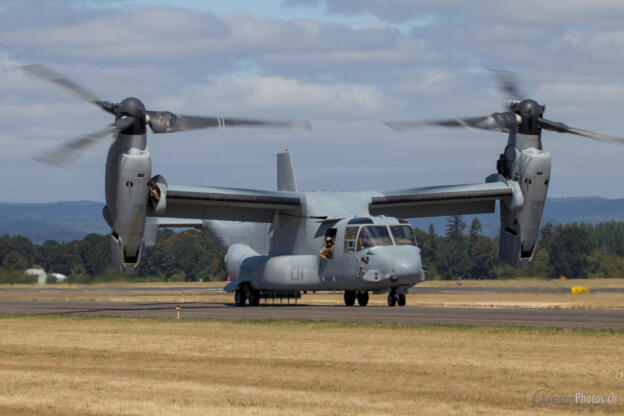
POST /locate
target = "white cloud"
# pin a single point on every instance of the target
(345, 77)
(282, 96)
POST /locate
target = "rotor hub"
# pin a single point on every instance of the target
(132, 107)
(530, 112)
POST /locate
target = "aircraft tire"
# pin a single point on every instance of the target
(240, 296)
(349, 297)
(392, 299)
(401, 300)
(254, 297)
(362, 298)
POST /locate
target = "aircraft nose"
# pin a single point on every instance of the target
(398, 264)
(405, 265)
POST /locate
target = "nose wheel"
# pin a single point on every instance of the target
(394, 298)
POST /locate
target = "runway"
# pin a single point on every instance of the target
(218, 291)
(558, 318)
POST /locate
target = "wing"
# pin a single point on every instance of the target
(198, 202)
(440, 200)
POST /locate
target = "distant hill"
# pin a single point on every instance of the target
(59, 221)
(557, 211)
(67, 221)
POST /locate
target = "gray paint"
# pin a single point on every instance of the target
(285, 173)
(128, 169)
(275, 243)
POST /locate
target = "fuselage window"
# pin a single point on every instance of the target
(373, 236)
(403, 235)
(349, 238)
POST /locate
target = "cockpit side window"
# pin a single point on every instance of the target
(349, 238)
(373, 236)
(403, 235)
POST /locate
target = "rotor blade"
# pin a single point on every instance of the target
(70, 151)
(167, 122)
(504, 122)
(507, 83)
(563, 128)
(48, 75)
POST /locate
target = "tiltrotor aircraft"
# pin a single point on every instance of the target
(273, 238)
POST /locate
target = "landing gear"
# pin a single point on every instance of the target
(362, 298)
(254, 297)
(401, 300)
(240, 296)
(349, 297)
(394, 298)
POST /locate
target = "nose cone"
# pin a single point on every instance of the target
(399, 264)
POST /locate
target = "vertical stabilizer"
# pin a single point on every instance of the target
(285, 173)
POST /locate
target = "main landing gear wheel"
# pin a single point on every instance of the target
(401, 300)
(362, 298)
(254, 297)
(240, 296)
(392, 297)
(349, 297)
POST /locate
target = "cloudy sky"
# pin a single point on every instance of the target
(343, 64)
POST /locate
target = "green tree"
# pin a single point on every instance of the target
(78, 274)
(568, 250)
(475, 229)
(483, 255)
(14, 261)
(455, 226)
(453, 259)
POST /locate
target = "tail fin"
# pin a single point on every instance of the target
(285, 173)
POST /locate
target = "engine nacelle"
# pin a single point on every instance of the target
(234, 258)
(528, 169)
(128, 170)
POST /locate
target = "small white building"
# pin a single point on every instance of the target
(42, 277)
(59, 277)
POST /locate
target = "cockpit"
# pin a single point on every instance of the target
(360, 235)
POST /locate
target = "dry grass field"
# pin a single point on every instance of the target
(116, 366)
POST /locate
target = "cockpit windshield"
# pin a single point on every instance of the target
(403, 235)
(373, 236)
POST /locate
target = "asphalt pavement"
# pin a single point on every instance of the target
(560, 318)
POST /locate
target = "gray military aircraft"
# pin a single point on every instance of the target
(273, 238)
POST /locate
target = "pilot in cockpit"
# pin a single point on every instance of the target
(363, 240)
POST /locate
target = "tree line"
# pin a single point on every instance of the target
(571, 250)
(190, 255)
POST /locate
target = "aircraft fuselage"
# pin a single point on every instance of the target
(370, 254)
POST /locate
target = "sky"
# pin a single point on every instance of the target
(345, 65)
